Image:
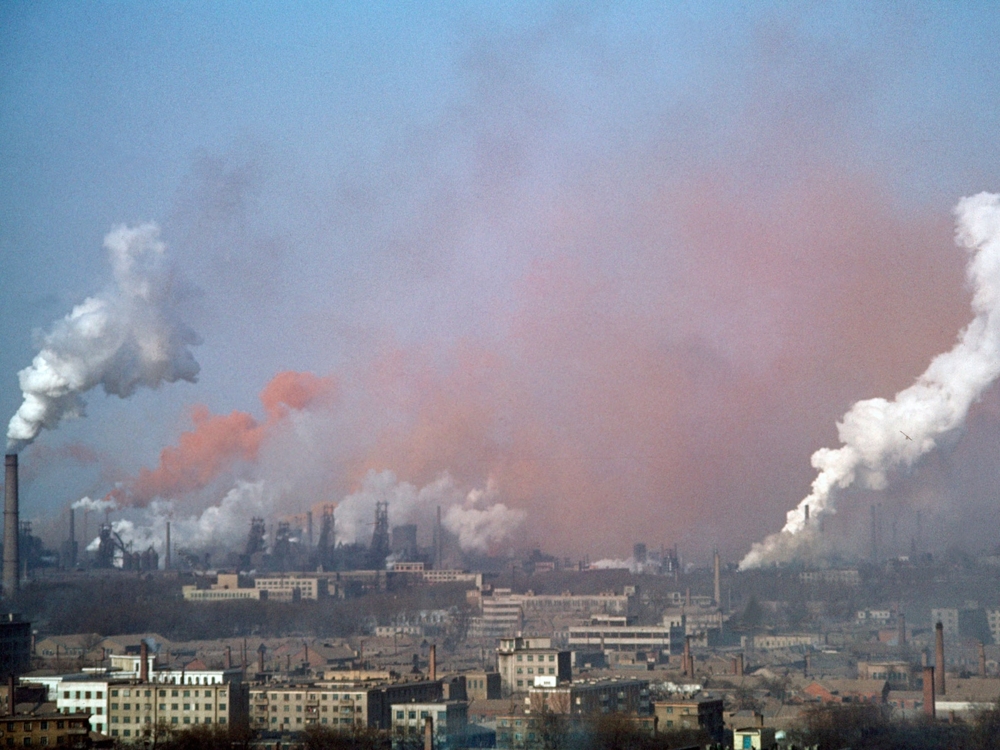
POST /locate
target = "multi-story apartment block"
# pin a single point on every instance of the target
(948, 617)
(83, 694)
(520, 660)
(138, 710)
(337, 705)
(619, 637)
(294, 707)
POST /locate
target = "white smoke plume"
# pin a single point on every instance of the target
(880, 435)
(124, 338)
(477, 518)
(481, 521)
(218, 527)
(86, 503)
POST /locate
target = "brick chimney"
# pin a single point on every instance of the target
(432, 667)
(428, 733)
(143, 662)
(929, 692)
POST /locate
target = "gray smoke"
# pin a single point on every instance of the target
(129, 336)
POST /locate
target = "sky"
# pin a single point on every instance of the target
(616, 267)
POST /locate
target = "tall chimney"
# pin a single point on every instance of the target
(143, 662)
(309, 528)
(11, 560)
(428, 733)
(929, 692)
(688, 670)
(72, 538)
(939, 659)
(260, 658)
(229, 657)
(166, 563)
(982, 659)
(718, 582)
(901, 636)
(739, 665)
(433, 666)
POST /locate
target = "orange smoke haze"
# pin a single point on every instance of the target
(659, 399)
(219, 441)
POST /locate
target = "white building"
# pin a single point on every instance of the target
(450, 720)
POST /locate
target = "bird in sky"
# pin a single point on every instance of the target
(905, 435)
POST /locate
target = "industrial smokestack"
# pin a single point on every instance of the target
(739, 665)
(143, 662)
(929, 692)
(688, 662)
(72, 538)
(901, 636)
(428, 733)
(11, 524)
(939, 658)
(433, 665)
(166, 564)
(229, 657)
(718, 582)
(982, 659)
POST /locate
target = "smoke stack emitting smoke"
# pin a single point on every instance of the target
(881, 435)
(124, 338)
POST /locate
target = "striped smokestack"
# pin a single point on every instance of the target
(11, 560)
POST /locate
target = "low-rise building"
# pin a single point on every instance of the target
(226, 588)
(287, 588)
(591, 697)
(705, 713)
(41, 729)
(483, 686)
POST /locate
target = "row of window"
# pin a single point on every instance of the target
(99, 694)
(163, 707)
(162, 693)
(311, 696)
(541, 670)
(173, 720)
(541, 657)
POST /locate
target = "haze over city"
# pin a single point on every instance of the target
(582, 276)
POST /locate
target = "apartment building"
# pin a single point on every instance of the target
(295, 707)
(337, 705)
(140, 709)
(520, 660)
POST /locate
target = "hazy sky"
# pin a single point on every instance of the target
(626, 262)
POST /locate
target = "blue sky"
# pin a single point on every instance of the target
(341, 179)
